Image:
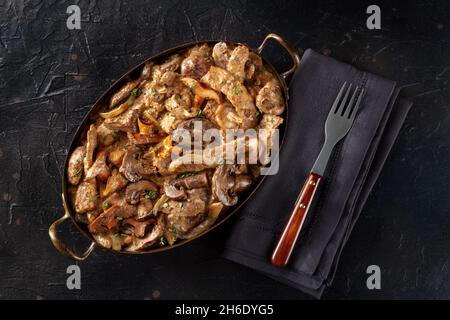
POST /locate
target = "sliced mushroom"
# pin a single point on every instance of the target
(135, 191)
(134, 167)
(147, 241)
(270, 100)
(139, 227)
(228, 180)
(223, 183)
(227, 117)
(175, 189)
(159, 204)
(145, 209)
(75, 166)
(242, 183)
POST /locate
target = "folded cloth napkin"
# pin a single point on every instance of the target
(351, 173)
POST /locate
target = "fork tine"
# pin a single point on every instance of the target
(358, 102)
(349, 109)
(336, 101)
(341, 107)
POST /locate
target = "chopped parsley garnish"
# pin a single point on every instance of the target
(187, 174)
(237, 90)
(192, 84)
(136, 92)
(77, 171)
(200, 113)
(162, 241)
(153, 92)
(151, 195)
(106, 205)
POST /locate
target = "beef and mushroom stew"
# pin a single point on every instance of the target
(124, 183)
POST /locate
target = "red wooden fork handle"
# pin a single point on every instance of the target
(283, 250)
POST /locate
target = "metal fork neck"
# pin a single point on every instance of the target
(321, 162)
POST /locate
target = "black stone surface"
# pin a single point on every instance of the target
(50, 76)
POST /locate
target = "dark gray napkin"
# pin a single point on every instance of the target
(351, 173)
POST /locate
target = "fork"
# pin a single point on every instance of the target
(338, 123)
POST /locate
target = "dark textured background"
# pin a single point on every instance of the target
(50, 76)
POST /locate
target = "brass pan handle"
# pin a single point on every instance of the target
(53, 233)
(292, 52)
